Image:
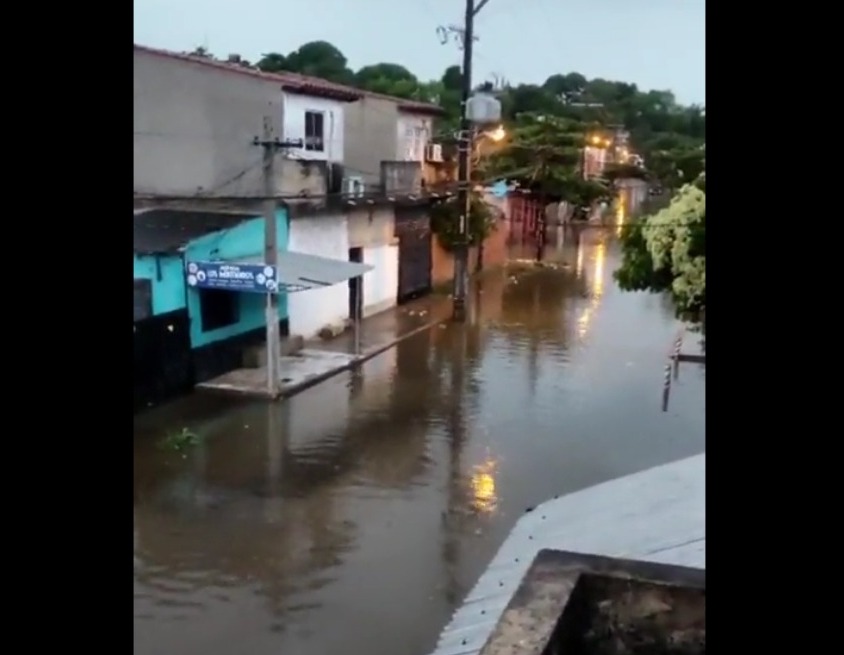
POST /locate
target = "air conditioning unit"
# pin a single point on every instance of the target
(354, 187)
(434, 152)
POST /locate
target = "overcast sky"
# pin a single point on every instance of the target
(658, 44)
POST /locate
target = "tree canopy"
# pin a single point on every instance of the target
(667, 251)
(668, 135)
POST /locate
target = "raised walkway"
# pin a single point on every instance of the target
(320, 360)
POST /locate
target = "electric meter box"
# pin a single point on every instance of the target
(483, 108)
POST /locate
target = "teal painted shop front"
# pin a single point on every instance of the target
(241, 242)
(166, 273)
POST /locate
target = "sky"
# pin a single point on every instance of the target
(658, 44)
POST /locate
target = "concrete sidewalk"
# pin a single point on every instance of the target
(320, 360)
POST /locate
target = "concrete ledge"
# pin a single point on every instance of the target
(302, 370)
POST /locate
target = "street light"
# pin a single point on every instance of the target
(497, 134)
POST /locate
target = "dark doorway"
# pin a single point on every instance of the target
(218, 309)
(143, 299)
(356, 287)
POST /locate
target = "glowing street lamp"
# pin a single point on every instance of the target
(497, 134)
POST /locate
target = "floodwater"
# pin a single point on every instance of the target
(355, 516)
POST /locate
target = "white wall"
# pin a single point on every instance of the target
(310, 311)
(413, 134)
(380, 285)
(295, 106)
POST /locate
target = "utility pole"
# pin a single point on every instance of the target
(461, 259)
(270, 144)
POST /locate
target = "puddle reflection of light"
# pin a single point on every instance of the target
(484, 498)
(597, 290)
(621, 212)
(598, 273)
(578, 267)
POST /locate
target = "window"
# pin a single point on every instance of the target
(143, 299)
(218, 309)
(315, 131)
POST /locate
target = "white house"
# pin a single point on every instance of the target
(358, 234)
(318, 122)
(414, 132)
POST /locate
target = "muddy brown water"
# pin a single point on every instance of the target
(355, 516)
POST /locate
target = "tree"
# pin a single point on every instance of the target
(667, 251)
(272, 62)
(666, 134)
(542, 156)
(387, 78)
(316, 58)
(452, 79)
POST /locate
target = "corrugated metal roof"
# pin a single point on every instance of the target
(163, 231)
(298, 271)
(656, 515)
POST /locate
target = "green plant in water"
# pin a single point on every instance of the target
(180, 441)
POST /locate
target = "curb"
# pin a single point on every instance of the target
(354, 363)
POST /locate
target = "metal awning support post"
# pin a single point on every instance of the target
(358, 310)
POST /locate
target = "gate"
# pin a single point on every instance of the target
(414, 233)
(163, 368)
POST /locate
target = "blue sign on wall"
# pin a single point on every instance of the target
(251, 278)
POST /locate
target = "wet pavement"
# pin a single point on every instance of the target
(354, 516)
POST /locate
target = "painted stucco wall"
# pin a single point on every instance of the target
(370, 137)
(194, 125)
(310, 311)
(240, 242)
(381, 284)
(412, 135)
(371, 227)
(166, 272)
(295, 106)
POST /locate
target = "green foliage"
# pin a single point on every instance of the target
(542, 155)
(445, 222)
(666, 134)
(180, 442)
(667, 251)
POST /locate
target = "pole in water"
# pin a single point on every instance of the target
(666, 389)
(678, 344)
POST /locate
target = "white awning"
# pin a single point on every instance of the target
(300, 272)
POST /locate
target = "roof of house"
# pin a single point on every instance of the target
(296, 83)
(165, 231)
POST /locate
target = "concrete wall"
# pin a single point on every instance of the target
(401, 177)
(240, 242)
(167, 274)
(380, 285)
(310, 311)
(370, 137)
(495, 254)
(193, 126)
(374, 231)
(295, 106)
(371, 227)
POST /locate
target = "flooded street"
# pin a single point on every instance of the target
(355, 516)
